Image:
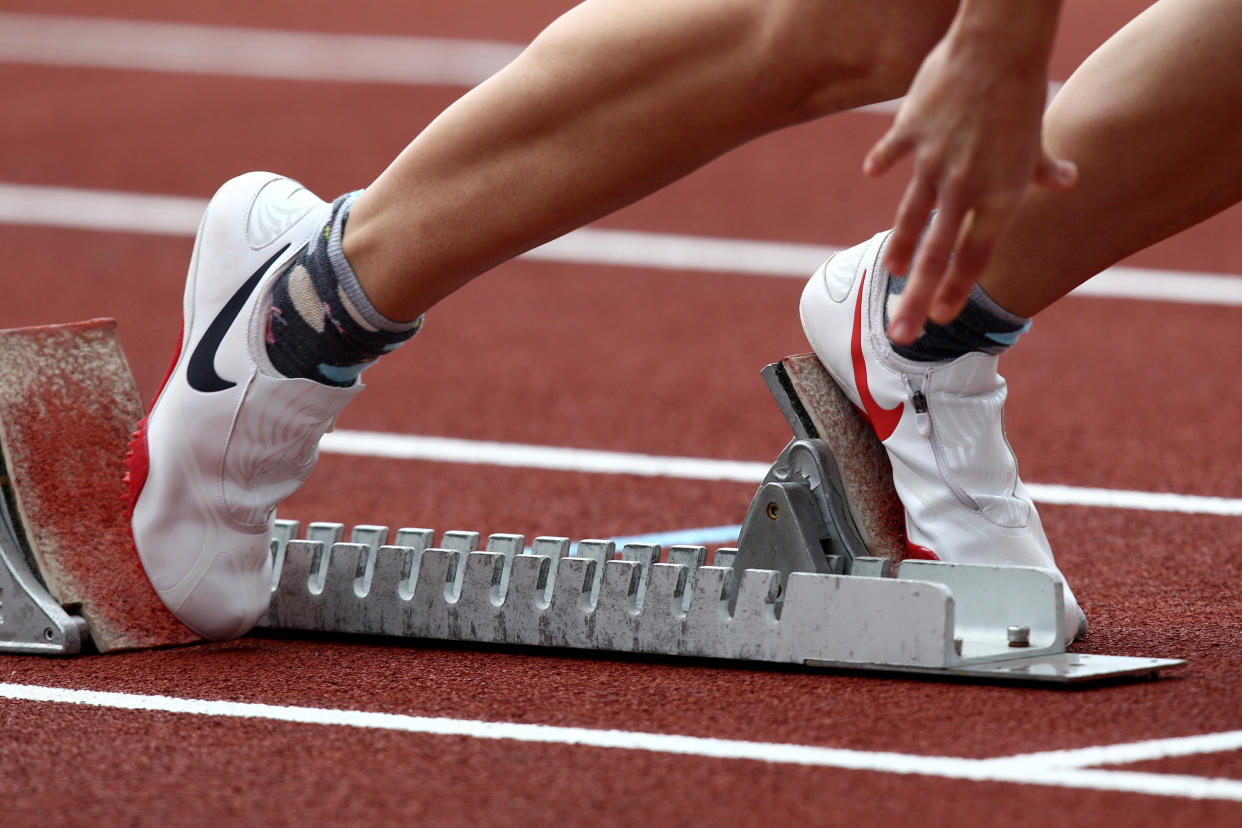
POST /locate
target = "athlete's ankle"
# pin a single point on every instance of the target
(322, 325)
(983, 325)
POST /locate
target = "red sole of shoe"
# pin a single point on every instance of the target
(137, 459)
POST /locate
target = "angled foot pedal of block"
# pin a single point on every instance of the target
(827, 504)
(67, 407)
(817, 409)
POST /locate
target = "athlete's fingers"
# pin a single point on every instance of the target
(905, 324)
(887, 151)
(939, 242)
(969, 258)
(976, 242)
(916, 205)
(1055, 173)
(929, 267)
(932, 261)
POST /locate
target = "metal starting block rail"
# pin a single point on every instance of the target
(941, 619)
(818, 578)
(812, 582)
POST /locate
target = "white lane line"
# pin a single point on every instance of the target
(559, 458)
(109, 43)
(1143, 501)
(670, 251)
(112, 211)
(1131, 752)
(555, 458)
(1005, 769)
(108, 210)
(247, 52)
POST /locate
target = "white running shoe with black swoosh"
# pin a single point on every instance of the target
(941, 423)
(227, 438)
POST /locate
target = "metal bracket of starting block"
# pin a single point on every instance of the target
(799, 520)
(31, 621)
(946, 620)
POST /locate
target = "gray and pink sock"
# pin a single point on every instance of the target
(321, 325)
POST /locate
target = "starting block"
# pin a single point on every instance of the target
(67, 407)
(818, 578)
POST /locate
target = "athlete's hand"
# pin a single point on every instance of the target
(971, 121)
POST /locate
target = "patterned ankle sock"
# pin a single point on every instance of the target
(321, 325)
(982, 325)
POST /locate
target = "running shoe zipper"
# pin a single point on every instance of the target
(927, 428)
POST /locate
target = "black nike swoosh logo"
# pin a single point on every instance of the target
(201, 372)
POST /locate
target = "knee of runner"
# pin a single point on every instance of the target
(819, 58)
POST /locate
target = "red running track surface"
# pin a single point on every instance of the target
(1110, 393)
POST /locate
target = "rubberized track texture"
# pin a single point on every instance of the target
(588, 353)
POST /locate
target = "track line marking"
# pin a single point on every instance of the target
(1003, 769)
(106, 210)
(248, 52)
(111, 43)
(1142, 501)
(559, 458)
(553, 458)
(1131, 752)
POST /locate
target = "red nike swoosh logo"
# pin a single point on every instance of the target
(883, 420)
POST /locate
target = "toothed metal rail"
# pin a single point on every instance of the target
(802, 589)
(934, 618)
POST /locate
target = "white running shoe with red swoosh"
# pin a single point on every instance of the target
(227, 437)
(941, 422)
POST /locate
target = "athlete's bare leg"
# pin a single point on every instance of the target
(613, 101)
(1154, 121)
